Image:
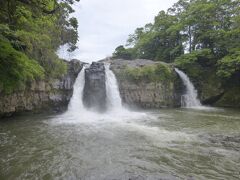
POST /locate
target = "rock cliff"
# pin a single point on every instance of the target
(95, 87)
(147, 84)
(53, 95)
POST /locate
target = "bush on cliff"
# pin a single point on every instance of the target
(151, 73)
(123, 53)
(16, 69)
(196, 64)
(229, 66)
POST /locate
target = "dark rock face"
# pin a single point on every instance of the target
(95, 88)
(178, 90)
(42, 96)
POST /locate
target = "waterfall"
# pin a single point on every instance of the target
(114, 100)
(189, 99)
(77, 113)
(76, 103)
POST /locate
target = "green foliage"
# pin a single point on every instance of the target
(196, 63)
(208, 31)
(16, 68)
(203, 57)
(31, 31)
(159, 41)
(122, 53)
(39, 47)
(229, 66)
(151, 73)
(231, 97)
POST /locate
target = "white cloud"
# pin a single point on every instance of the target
(105, 24)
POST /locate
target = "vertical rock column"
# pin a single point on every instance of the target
(95, 88)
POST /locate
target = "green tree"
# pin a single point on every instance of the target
(159, 41)
(122, 53)
(202, 34)
(35, 29)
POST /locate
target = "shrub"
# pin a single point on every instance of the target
(151, 73)
(16, 69)
(229, 65)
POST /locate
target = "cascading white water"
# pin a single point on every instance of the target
(189, 99)
(77, 113)
(76, 102)
(114, 100)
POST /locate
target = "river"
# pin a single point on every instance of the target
(161, 144)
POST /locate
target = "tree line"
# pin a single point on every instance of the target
(203, 32)
(30, 33)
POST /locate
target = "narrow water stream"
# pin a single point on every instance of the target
(190, 98)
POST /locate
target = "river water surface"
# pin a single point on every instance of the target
(162, 144)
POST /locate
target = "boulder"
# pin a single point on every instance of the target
(94, 93)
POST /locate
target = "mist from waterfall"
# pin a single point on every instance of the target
(189, 99)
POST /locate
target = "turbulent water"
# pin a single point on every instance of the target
(189, 99)
(121, 144)
(171, 144)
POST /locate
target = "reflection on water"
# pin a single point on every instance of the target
(164, 144)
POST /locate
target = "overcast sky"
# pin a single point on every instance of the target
(106, 24)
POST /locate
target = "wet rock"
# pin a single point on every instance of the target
(95, 88)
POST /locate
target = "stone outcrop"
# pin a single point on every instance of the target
(95, 88)
(147, 94)
(42, 96)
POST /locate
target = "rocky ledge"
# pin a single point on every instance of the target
(42, 96)
(95, 87)
(147, 84)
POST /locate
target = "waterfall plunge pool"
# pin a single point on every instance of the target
(167, 144)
